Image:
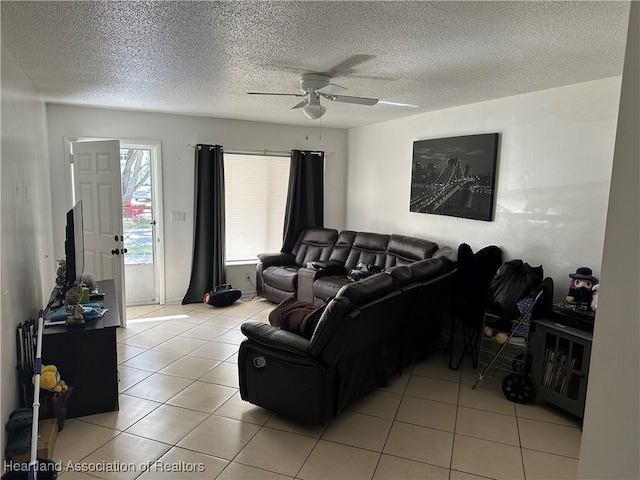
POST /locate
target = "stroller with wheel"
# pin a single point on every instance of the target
(505, 342)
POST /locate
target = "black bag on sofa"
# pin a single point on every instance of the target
(363, 270)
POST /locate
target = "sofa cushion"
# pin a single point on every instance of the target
(403, 250)
(343, 246)
(296, 316)
(401, 275)
(327, 287)
(368, 248)
(446, 252)
(428, 268)
(314, 244)
(282, 278)
(367, 289)
(329, 322)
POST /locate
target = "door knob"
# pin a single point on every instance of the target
(115, 252)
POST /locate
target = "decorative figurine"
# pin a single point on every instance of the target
(580, 291)
(72, 305)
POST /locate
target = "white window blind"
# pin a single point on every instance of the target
(255, 199)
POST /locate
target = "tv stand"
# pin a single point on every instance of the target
(87, 358)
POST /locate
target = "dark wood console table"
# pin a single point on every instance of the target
(87, 358)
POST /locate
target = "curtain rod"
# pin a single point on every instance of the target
(250, 150)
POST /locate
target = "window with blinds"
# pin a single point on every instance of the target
(255, 198)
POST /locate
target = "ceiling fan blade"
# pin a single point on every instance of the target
(303, 103)
(332, 89)
(349, 99)
(279, 94)
(348, 65)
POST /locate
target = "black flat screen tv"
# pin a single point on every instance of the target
(74, 245)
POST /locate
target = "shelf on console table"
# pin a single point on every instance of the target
(87, 358)
(560, 370)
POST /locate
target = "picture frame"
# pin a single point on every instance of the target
(455, 176)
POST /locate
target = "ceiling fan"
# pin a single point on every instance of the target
(317, 85)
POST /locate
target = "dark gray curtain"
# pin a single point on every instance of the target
(305, 199)
(208, 267)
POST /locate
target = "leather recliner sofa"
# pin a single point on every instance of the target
(333, 255)
(368, 331)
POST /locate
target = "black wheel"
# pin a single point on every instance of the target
(522, 363)
(518, 388)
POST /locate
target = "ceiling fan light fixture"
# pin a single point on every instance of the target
(314, 111)
(314, 86)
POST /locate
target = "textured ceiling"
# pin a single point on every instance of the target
(202, 57)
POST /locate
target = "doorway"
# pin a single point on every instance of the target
(139, 206)
(139, 213)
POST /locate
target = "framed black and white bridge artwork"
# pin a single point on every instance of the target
(455, 176)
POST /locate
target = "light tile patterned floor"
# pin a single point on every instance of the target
(180, 406)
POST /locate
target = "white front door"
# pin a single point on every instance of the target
(96, 181)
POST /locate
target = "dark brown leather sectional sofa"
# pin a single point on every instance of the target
(369, 330)
(334, 254)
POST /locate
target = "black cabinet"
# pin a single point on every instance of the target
(561, 356)
(87, 358)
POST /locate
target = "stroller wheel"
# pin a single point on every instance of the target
(518, 388)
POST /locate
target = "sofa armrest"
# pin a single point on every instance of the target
(329, 267)
(307, 276)
(270, 259)
(274, 337)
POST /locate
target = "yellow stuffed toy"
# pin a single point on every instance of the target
(50, 379)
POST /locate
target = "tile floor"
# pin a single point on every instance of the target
(180, 407)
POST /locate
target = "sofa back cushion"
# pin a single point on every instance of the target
(314, 244)
(368, 248)
(350, 330)
(333, 326)
(403, 250)
(446, 252)
(343, 246)
(429, 268)
(329, 322)
(365, 290)
(401, 275)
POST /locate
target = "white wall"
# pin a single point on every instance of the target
(25, 238)
(554, 167)
(611, 435)
(237, 276)
(175, 132)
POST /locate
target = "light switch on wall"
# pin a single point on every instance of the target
(177, 216)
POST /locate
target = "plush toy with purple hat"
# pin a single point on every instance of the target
(580, 290)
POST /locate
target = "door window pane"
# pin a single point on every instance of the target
(137, 214)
